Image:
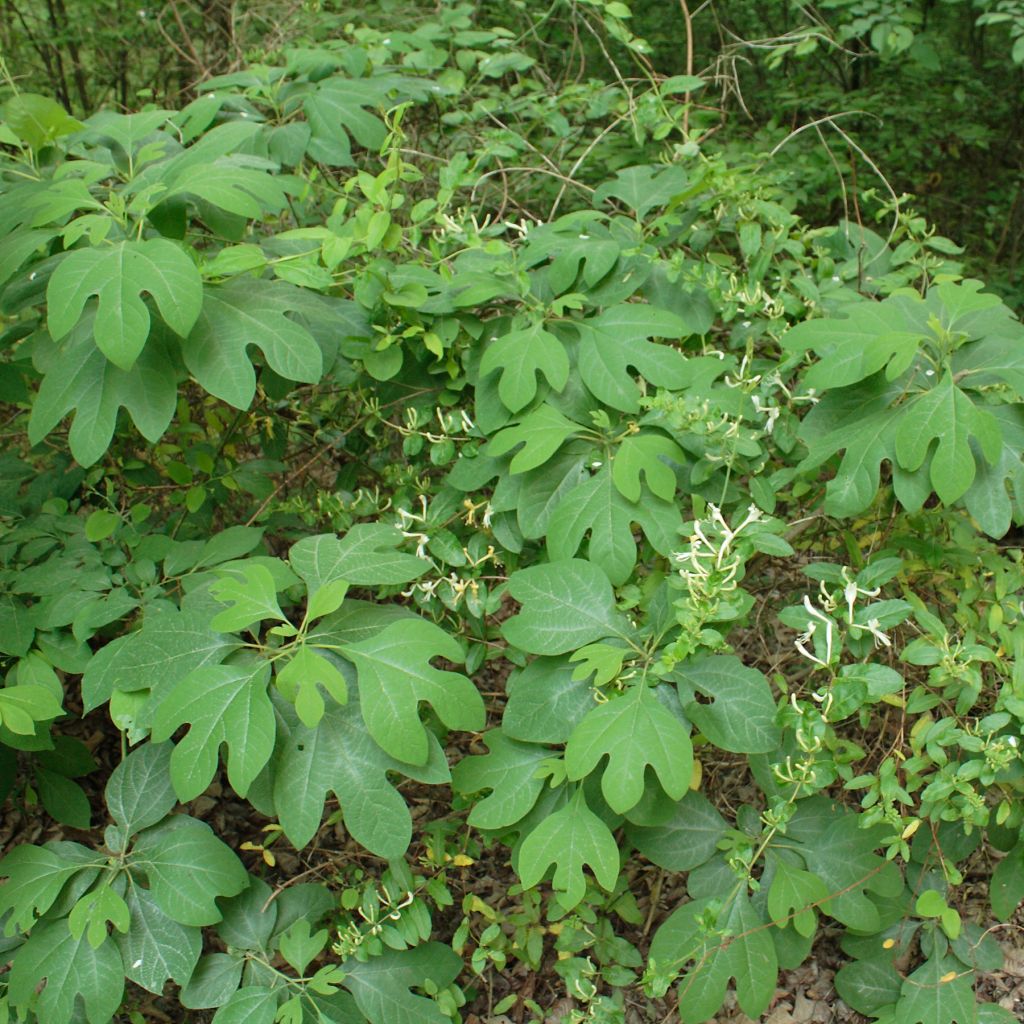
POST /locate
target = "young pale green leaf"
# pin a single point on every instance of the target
(616, 340)
(38, 120)
(35, 877)
(300, 681)
(155, 948)
(947, 415)
(597, 508)
(940, 991)
(94, 910)
(570, 839)
(246, 312)
(118, 275)
(791, 896)
(365, 557)
(326, 599)
(381, 985)
(509, 771)
(648, 454)
(221, 704)
(251, 1004)
(72, 969)
(188, 868)
(22, 706)
(602, 661)
(395, 675)
(741, 715)
(521, 355)
(139, 792)
(739, 948)
(541, 433)
(564, 605)
(78, 378)
(633, 731)
(299, 945)
(339, 757)
(252, 594)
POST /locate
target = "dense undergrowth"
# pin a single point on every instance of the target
(393, 425)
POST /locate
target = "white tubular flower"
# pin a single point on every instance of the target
(850, 596)
(881, 640)
(812, 627)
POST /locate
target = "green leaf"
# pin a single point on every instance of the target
(35, 877)
(564, 605)
(740, 947)
(72, 969)
(633, 731)
(155, 948)
(381, 985)
(38, 120)
(855, 346)
(213, 982)
(646, 187)
(139, 792)
(947, 415)
(188, 869)
(647, 454)
(338, 108)
(243, 191)
(221, 704)
(741, 715)
(868, 985)
(395, 675)
(252, 1004)
(252, 594)
(170, 645)
(509, 771)
(686, 839)
(1007, 886)
(541, 433)
(570, 839)
(930, 903)
(546, 701)
(791, 895)
(118, 275)
(300, 946)
(245, 312)
(602, 661)
(366, 556)
(90, 915)
(520, 355)
(596, 507)
(21, 707)
(78, 378)
(101, 524)
(940, 991)
(339, 757)
(616, 340)
(843, 857)
(301, 678)
(17, 626)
